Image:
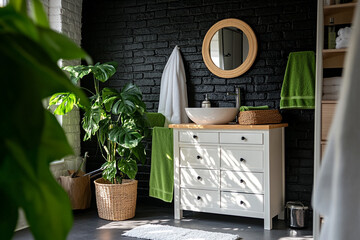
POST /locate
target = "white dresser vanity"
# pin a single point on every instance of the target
(230, 169)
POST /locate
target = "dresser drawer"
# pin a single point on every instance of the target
(242, 181)
(241, 137)
(242, 201)
(242, 159)
(204, 157)
(200, 198)
(198, 137)
(202, 178)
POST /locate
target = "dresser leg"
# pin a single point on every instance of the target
(268, 223)
(178, 214)
(281, 215)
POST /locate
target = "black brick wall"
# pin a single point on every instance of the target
(141, 35)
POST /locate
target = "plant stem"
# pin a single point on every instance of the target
(96, 85)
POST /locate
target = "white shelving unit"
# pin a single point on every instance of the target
(326, 59)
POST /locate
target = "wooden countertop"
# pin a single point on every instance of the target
(229, 126)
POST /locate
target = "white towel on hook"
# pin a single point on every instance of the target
(336, 193)
(173, 91)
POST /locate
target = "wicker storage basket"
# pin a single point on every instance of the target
(116, 201)
(78, 190)
(259, 117)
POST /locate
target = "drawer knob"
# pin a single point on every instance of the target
(199, 178)
(242, 202)
(243, 138)
(242, 160)
(242, 181)
(195, 136)
(198, 157)
(198, 198)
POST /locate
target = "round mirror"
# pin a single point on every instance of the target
(229, 48)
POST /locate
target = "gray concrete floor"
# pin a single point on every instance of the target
(87, 225)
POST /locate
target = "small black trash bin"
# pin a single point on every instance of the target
(296, 214)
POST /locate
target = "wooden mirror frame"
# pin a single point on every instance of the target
(253, 47)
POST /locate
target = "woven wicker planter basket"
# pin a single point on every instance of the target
(116, 201)
(259, 117)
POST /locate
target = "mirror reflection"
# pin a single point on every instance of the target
(229, 47)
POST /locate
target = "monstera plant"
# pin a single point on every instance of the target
(115, 117)
(118, 121)
(31, 137)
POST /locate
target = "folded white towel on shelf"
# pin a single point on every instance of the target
(330, 96)
(344, 34)
(332, 81)
(331, 89)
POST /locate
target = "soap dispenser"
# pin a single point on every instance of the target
(206, 103)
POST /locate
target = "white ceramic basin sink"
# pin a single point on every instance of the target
(208, 116)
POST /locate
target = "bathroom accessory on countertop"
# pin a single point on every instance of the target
(331, 34)
(206, 103)
(173, 91)
(298, 89)
(255, 117)
(249, 108)
(211, 116)
(238, 97)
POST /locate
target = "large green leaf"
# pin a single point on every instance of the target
(104, 71)
(8, 216)
(60, 46)
(125, 136)
(128, 101)
(139, 152)
(104, 128)
(45, 203)
(38, 14)
(90, 122)
(128, 166)
(31, 137)
(109, 171)
(55, 44)
(19, 5)
(109, 95)
(65, 102)
(15, 22)
(77, 72)
(31, 56)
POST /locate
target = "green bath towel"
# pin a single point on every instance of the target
(249, 108)
(155, 119)
(162, 168)
(298, 89)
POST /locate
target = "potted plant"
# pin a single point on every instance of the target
(117, 119)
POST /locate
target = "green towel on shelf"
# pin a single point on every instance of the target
(155, 119)
(249, 108)
(162, 168)
(298, 89)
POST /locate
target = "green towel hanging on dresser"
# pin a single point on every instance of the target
(155, 119)
(162, 164)
(298, 89)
